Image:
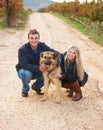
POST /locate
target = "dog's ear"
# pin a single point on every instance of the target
(41, 54)
(56, 53)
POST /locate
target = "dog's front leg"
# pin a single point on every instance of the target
(46, 86)
(58, 90)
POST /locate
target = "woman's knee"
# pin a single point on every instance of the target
(76, 83)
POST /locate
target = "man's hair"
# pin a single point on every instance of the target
(34, 31)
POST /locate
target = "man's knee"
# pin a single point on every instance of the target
(24, 74)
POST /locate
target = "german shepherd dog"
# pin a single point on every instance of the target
(48, 60)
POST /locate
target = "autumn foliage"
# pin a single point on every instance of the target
(14, 7)
(92, 11)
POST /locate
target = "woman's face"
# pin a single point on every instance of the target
(71, 54)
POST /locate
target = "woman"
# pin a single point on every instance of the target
(72, 72)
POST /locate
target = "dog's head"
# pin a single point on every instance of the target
(48, 60)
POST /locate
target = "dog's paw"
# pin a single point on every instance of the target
(43, 99)
(58, 101)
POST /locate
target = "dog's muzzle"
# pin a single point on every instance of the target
(47, 62)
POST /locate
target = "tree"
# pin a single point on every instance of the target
(12, 8)
(15, 6)
(7, 13)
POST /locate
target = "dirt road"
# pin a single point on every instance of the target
(18, 113)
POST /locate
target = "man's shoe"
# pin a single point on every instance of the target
(37, 91)
(24, 94)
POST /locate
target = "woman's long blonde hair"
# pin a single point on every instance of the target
(79, 66)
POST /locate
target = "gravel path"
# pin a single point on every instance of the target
(18, 113)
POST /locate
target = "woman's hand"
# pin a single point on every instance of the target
(57, 75)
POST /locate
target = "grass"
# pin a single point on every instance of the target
(2, 24)
(19, 23)
(97, 38)
(22, 18)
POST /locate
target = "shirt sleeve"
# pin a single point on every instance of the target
(23, 61)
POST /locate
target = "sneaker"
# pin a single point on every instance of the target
(24, 94)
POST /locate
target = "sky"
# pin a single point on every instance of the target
(69, 0)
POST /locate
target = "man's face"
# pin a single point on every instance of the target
(34, 40)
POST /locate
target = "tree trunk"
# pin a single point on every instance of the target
(7, 13)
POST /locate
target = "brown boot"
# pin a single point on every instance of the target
(66, 85)
(69, 89)
(78, 92)
(70, 93)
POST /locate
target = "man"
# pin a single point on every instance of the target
(28, 63)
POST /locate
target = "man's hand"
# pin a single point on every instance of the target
(42, 69)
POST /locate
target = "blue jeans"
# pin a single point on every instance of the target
(26, 76)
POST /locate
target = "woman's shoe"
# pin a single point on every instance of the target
(77, 97)
(70, 93)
